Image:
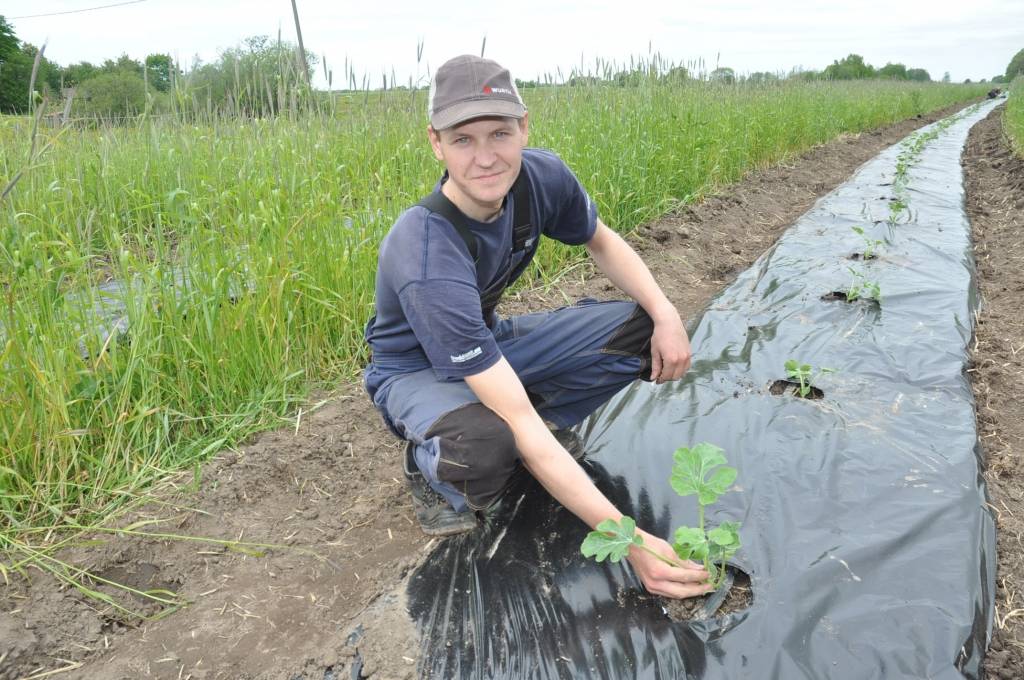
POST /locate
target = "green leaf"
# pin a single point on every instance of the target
(726, 534)
(691, 469)
(690, 543)
(611, 540)
(721, 480)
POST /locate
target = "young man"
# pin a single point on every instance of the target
(471, 392)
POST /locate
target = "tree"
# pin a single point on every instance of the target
(76, 74)
(676, 74)
(117, 94)
(758, 77)
(256, 78)
(849, 68)
(16, 74)
(124, 64)
(945, 77)
(722, 74)
(918, 74)
(1015, 67)
(8, 41)
(158, 71)
(894, 71)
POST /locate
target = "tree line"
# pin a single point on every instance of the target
(263, 76)
(258, 77)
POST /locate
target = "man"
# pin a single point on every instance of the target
(471, 392)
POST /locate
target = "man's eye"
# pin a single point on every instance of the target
(460, 140)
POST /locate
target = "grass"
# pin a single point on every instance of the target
(1013, 118)
(247, 251)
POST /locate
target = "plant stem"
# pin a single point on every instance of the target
(671, 563)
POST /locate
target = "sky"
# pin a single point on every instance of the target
(532, 38)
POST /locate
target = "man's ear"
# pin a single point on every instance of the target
(435, 142)
(524, 126)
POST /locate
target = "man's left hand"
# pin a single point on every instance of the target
(670, 349)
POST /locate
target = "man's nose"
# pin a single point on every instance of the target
(485, 155)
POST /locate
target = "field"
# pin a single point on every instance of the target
(268, 304)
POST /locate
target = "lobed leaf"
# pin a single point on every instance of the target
(726, 534)
(690, 543)
(611, 540)
(691, 470)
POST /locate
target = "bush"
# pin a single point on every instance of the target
(111, 95)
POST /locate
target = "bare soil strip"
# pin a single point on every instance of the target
(994, 180)
(329, 481)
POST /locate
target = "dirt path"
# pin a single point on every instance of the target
(995, 204)
(329, 482)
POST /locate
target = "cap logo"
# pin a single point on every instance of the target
(496, 90)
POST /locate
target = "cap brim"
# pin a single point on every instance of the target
(477, 108)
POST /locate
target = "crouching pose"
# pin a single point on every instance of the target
(477, 396)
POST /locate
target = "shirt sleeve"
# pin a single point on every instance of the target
(446, 318)
(571, 215)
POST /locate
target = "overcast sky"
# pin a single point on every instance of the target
(973, 39)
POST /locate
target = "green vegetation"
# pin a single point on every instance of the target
(862, 288)
(699, 471)
(910, 151)
(870, 244)
(247, 249)
(1013, 116)
(1016, 67)
(804, 375)
(259, 77)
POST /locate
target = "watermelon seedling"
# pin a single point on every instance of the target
(700, 471)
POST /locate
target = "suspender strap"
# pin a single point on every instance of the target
(522, 225)
(439, 203)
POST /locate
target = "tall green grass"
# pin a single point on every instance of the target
(1013, 117)
(248, 250)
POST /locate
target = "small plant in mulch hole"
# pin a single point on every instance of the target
(800, 382)
(860, 289)
(896, 206)
(870, 245)
(699, 471)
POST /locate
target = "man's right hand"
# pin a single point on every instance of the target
(688, 580)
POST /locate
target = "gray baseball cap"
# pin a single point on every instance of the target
(468, 87)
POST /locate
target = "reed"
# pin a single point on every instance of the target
(1013, 118)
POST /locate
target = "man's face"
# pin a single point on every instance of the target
(483, 157)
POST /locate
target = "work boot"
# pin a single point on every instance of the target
(435, 514)
(571, 442)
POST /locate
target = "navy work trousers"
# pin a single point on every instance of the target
(570, 361)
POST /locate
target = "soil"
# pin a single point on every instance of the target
(781, 387)
(738, 598)
(994, 180)
(326, 487)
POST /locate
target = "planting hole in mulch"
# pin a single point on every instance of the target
(780, 387)
(843, 296)
(859, 257)
(738, 597)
